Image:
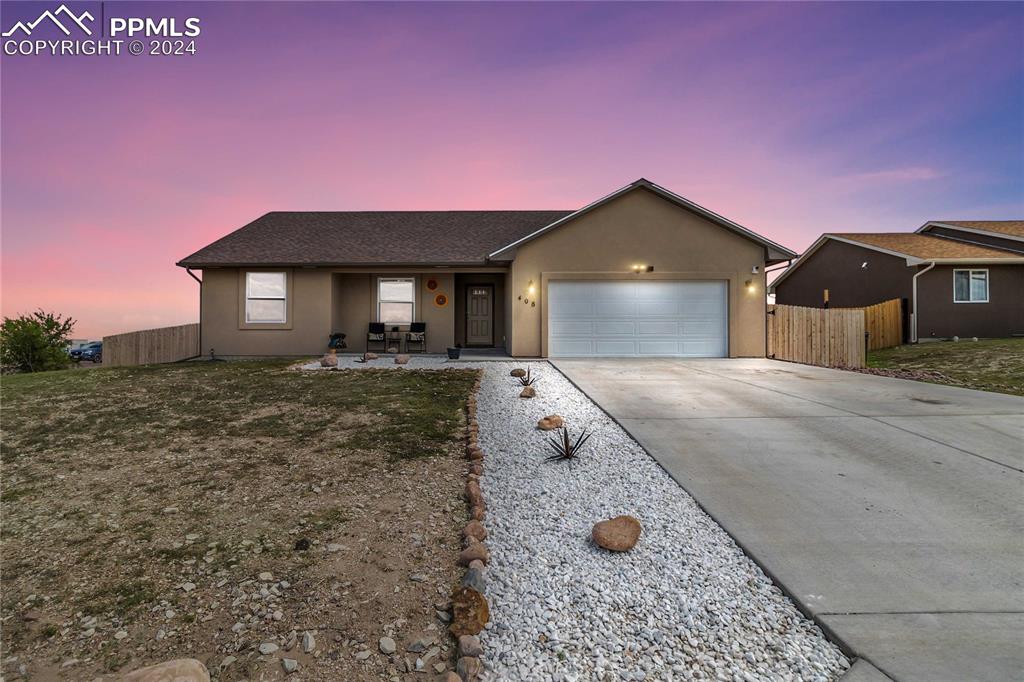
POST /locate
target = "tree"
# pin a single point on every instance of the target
(36, 342)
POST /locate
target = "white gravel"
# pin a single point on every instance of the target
(685, 603)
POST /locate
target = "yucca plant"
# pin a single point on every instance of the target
(528, 380)
(564, 447)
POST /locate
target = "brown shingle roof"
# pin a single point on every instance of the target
(924, 246)
(371, 237)
(1014, 228)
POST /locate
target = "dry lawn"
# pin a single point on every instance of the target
(141, 506)
(988, 365)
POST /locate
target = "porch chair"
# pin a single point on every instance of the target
(376, 334)
(417, 334)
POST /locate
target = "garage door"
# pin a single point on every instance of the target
(638, 319)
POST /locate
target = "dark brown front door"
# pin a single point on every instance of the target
(480, 315)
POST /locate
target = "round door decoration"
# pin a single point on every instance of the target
(441, 300)
(431, 284)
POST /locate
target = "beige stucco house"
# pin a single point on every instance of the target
(640, 272)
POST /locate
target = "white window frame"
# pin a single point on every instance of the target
(410, 280)
(970, 273)
(249, 297)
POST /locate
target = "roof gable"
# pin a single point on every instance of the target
(776, 252)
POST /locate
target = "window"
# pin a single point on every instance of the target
(265, 297)
(970, 286)
(395, 300)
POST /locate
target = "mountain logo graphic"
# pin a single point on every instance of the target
(63, 10)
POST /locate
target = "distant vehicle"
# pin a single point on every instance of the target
(90, 351)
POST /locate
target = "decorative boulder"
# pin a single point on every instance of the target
(470, 668)
(518, 373)
(401, 359)
(470, 612)
(329, 360)
(551, 422)
(179, 670)
(392, 349)
(370, 356)
(478, 512)
(527, 392)
(618, 535)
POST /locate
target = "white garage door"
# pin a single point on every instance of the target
(638, 319)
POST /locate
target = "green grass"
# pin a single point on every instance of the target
(989, 365)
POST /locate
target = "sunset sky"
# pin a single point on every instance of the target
(791, 119)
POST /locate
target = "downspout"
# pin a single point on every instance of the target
(193, 276)
(913, 327)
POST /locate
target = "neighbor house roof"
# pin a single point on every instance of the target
(370, 237)
(1013, 229)
(923, 246)
(916, 248)
(413, 237)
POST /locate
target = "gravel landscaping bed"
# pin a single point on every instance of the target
(685, 603)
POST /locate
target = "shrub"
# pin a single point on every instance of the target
(36, 342)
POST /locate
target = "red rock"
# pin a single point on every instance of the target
(475, 530)
(528, 392)
(618, 535)
(551, 422)
(470, 612)
(476, 551)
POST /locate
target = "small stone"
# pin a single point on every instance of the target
(278, 615)
(160, 634)
(227, 661)
(517, 372)
(417, 577)
(268, 648)
(333, 547)
(192, 537)
(387, 645)
(475, 530)
(170, 510)
(469, 667)
(179, 670)
(188, 587)
(308, 642)
(420, 644)
(470, 612)
(475, 577)
(469, 645)
(443, 616)
(266, 576)
(290, 665)
(551, 422)
(120, 634)
(618, 535)
(476, 551)
(439, 667)
(363, 655)
(401, 359)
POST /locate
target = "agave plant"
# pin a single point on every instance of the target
(528, 380)
(564, 447)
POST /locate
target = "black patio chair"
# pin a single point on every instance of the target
(417, 334)
(376, 334)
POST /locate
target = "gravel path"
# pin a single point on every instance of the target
(685, 603)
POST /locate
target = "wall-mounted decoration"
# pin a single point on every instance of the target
(431, 284)
(441, 300)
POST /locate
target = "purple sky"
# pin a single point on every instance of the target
(791, 119)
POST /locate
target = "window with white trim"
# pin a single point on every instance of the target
(970, 286)
(396, 300)
(266, 295)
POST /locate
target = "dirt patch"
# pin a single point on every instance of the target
(207, 510)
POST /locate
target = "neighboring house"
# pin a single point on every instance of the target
(640, 272)
(963, 278)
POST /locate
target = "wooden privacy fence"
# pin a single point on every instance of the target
(150, 346)
(828, 337)
(884, 324)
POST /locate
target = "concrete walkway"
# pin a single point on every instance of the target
(892, 511)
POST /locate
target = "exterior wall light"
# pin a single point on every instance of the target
(750, 285)
(531, 288)
(643, 268)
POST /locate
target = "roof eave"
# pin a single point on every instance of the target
(973, 230)
(369, 264)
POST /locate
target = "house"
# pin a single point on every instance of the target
(640, 272)
(958, 277)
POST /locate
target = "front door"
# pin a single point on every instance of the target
(480, 315)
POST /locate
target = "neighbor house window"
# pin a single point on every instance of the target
(970, 286)
(266, 297)
(395, 300)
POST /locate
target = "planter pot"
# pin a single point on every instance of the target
(454, 353)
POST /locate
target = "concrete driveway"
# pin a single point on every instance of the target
(892, 511)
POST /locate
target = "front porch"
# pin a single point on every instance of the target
(467, 309)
